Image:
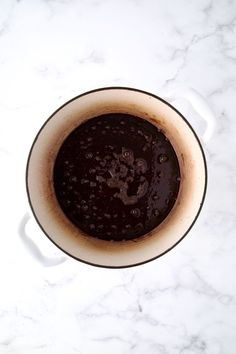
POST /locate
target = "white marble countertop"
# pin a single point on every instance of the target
(181, 303)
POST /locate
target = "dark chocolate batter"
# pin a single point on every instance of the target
(116, 177)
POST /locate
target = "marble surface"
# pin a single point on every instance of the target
(182, 303)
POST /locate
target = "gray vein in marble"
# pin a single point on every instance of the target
(93, 57)
(201, 287)
(40, 346)
(5, 25)
(29, 318)
(76, 350)
(183, 52)
(153, 346)
(229, 26)
(110, 338)
(208, 8)
(134, 313)
(207, 289)
(134, 343)
(227, 85)
(196, 344)
(59, 283)
(8, 341)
